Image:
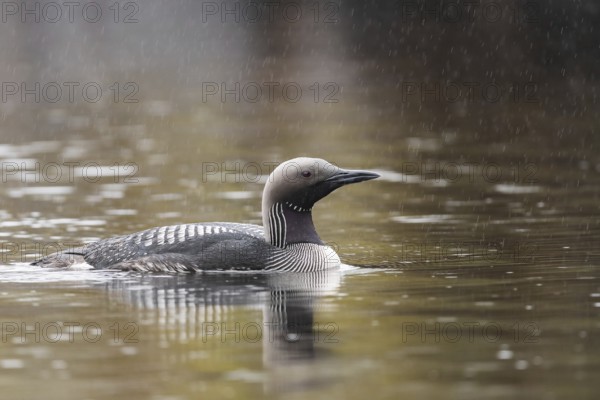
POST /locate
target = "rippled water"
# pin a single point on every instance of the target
(471, 264)
(468, 289)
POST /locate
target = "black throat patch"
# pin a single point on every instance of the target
(300, 227)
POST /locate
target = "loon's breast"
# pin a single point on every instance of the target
(303, 257)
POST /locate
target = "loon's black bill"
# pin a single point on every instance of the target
(344, 177)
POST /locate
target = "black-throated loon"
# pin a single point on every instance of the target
(287, 241)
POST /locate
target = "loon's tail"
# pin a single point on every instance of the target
(64, 259)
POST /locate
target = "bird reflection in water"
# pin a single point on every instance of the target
(213, 309)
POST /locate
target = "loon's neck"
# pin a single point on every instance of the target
(285, 223)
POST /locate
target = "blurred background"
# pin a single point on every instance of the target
(474, 94)
(481, 116)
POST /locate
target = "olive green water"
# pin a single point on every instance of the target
(472, 264)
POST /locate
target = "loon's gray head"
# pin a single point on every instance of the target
(292, 190)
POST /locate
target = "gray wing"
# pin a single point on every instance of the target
(186, 247)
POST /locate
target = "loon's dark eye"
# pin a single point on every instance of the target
(306, 174)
